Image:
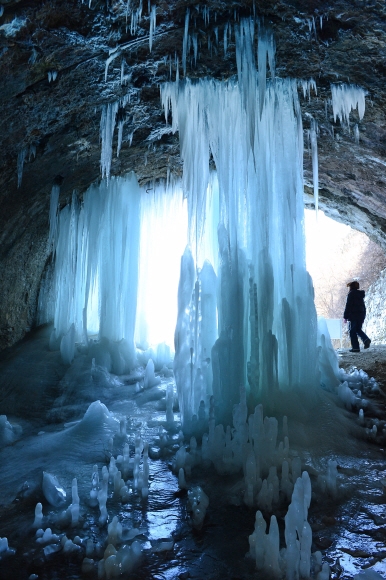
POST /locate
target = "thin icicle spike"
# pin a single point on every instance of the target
(20, 165)
(122, 71)
(315, 166)
(120, 134)
(107, 127)
(185, 41)
(114, 54)
(127, 10)
(266, 48)
(152, 25)
(345, 98)
(195, 47)
(53, 218)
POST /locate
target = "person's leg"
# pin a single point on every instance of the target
(353, 334)
(361, 334)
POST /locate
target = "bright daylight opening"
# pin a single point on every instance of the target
(335, 255)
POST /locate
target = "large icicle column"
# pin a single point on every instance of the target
(96, 270)
(253, 130)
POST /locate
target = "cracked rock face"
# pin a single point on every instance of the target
(55, 83)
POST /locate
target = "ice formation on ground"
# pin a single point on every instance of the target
(52, 490)
(9, 432)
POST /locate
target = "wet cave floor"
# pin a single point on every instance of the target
(349, 530)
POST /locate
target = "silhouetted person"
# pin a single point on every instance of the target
(355, 313)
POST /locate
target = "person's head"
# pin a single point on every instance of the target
(353, 285)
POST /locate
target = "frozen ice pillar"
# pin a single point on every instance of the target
(266, 314)
(195, 332)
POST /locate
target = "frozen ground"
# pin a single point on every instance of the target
(38, 394)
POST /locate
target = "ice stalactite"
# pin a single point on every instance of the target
(96, 266)
(152, 25)
(307, 86)
(185, 41)
(107, 127)
(98, 247)
(53, 218)
(260, 174)
(20, 164)
(345, 98)
(266, 48)
(315, 165)
(113, 54)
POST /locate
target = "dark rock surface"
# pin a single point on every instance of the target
(57, 124)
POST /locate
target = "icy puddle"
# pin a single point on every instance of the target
(150, 531)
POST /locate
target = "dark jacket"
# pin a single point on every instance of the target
(355, 306)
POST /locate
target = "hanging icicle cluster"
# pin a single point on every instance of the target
(253, 130)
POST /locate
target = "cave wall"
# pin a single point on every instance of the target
(375, 323)
(56, 123)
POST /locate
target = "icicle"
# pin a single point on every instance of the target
(185, 41)
(53, 220)
(107, 127)
(113, 55)
(266, 47)
(311, 85)
(195, 47)
(32, 152)
(226, 38)
(127, 10)
(345, 98)
(315, 167)
(356, 133)
(20, 164)
(152, 25)
(122, 71)
(120, 133)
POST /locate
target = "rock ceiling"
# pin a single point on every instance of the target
(54, 84)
